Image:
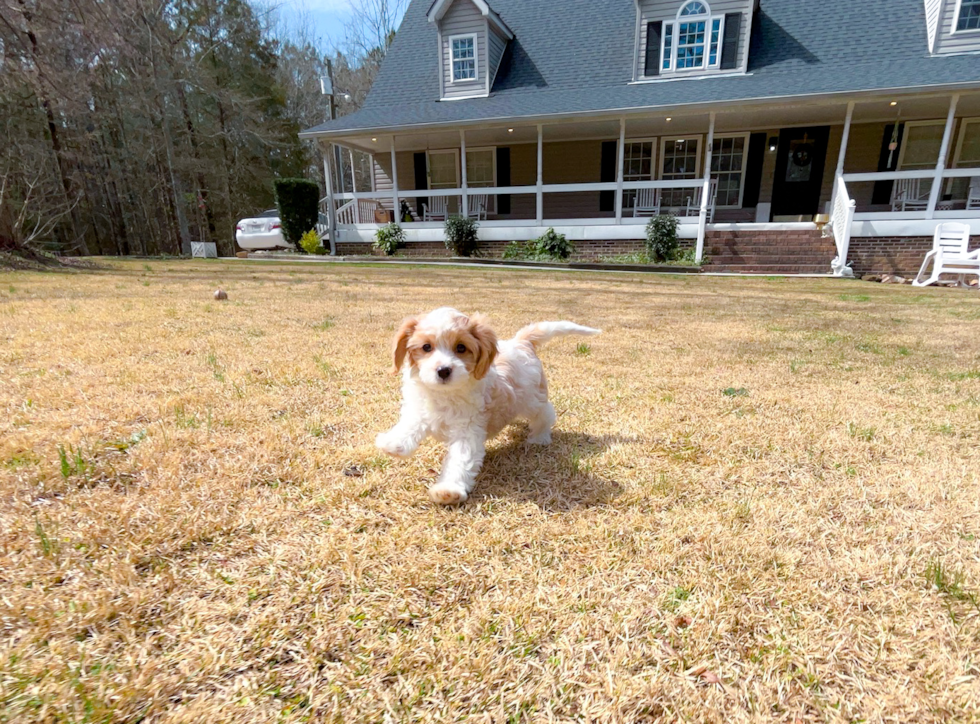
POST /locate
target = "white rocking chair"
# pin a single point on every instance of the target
(693, 205)
(437, 209)
(477, 207)
(949, 255)
(907, 195)
(647, 202)
(973, 196)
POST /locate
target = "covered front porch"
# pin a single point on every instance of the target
(878, 166)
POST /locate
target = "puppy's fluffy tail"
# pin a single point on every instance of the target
(541, 333)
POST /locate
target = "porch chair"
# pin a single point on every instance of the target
(647, 202)
(437, 209)
(907, 195)
(949, 255)
(973, 196)
(477, 207)
(693, 206)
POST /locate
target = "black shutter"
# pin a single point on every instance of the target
(754, 161)
(729, 46)
(882, 193)
(503, 179)
(421, 180)
(607, 174)
(652, 64)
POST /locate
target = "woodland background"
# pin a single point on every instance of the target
(131, 127)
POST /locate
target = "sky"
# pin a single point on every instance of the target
(325, 18)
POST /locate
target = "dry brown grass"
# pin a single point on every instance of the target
(752, 485)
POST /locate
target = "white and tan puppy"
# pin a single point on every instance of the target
(462, 387)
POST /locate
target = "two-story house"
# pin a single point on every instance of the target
(752, 120)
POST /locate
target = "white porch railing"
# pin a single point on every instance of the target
(841, 218)
(360, 210)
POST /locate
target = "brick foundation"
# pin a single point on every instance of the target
(584, 250)
(890, 254)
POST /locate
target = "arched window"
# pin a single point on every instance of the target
(694, 40)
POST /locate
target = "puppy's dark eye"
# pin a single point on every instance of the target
(426, 347)
(460, 348)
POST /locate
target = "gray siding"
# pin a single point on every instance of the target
(949, 41)
(666, 11)
(498, 44)
(461, 19)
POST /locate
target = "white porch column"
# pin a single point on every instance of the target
(937, 181)
(465, 199)
(328, 152)
(353, 186)
(394, 183)
(619, 170)
(843, 152)
(540, 193)
(706, 189)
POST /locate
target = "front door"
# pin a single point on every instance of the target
(799, 171)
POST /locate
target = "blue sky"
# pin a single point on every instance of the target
(326, 17)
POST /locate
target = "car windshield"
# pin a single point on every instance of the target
(271, 213)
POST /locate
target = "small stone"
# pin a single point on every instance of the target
(892, 279)
(220, 295)
(242, 254)
(871, 278)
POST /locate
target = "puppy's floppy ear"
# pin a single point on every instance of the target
(486, 344)
(400, 345)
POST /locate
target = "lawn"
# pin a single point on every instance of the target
(762, 503)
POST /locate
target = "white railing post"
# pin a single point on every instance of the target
(620, 156)
(539, 215)
(706, 189)
(395, 213)
(937, 181)
(331, 211)
(843, 152)
(464, 198)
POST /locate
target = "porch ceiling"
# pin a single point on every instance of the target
(661, 124)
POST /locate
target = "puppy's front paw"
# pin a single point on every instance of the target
(393, 445)
(543, 438)
(447, 494)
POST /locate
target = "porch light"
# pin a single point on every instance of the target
(668, 119)
(773, 144)
(893, 103)
(510, 130)
(375, 140)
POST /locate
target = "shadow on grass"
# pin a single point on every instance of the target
(557, 477)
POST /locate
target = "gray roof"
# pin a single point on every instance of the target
(576, 56)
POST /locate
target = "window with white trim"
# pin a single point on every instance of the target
(921, 143)
(728, 166)
(463, 57)
(680, 158)
(638, 157)
(481, 172)
(693, 41)
(969, 15)
(967, 155)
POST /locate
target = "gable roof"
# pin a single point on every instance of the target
(575, 57)
(441, 7)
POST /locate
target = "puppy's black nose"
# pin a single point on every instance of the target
(444, 372)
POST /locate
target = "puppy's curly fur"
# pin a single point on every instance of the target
(462, 386)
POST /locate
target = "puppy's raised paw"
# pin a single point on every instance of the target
(446, 494)
(393, 445)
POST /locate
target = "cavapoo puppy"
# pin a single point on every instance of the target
(461, 386)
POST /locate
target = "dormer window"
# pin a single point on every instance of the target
(463, 57)
(969, 15)
(698, 39)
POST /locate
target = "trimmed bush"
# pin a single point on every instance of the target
(461, 235)
(311, 244)
(298, 201)
(662, 237)
(388, 238)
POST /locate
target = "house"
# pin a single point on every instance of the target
(749, 119)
